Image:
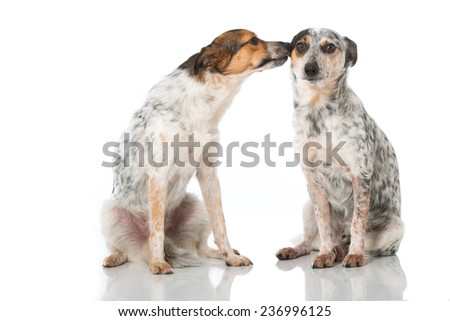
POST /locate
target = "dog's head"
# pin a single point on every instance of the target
(321, 55)
(237, 52)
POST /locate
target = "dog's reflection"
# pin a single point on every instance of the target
(134, 282)
(382, 278)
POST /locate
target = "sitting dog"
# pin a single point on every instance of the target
(354, 206)
(150, 216)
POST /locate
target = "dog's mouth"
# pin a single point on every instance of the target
(313, 80)
(281, 60)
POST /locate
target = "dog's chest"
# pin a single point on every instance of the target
(338, 184)
(322, 141)
(194, 146)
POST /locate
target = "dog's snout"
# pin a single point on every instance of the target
(282, 48)
(311, 69)
(287, 46)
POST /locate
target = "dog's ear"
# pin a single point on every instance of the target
(351, 52)
(210, 56)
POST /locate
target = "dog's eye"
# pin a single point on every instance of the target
(302, 46)
(254, 41)
(329, 48)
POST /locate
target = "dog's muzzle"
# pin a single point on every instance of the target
(278, 54)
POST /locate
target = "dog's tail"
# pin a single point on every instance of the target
(178, 257)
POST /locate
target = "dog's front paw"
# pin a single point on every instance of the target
(238, 260)
(160, 268)
(353, 260)
(324, 260)
(288, 253)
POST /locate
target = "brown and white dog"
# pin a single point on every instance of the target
(150, 216)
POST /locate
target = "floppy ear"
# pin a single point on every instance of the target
(351, 53)
(209, 56)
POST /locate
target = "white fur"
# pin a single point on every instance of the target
(184, 103)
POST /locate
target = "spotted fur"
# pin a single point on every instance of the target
(354, 206)
(150, 216)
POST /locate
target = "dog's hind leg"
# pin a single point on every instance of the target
(310, 237)
(385, 241)
(126, 233)
(189, 227)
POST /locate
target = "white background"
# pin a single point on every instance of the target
(72, 73)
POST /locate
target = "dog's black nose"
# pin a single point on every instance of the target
(311, 69)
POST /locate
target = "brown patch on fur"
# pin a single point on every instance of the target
(156, 240)
(325, 92)
(323, 42)
(230, 53)
(157, 207)
(294, 58)
(307, 39)
(215, 55)
(242, 55)
(314, 100)
(249, 57)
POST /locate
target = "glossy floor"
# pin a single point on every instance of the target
(381, 279)
(405, 276)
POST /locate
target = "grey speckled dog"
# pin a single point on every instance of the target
(355, 198)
